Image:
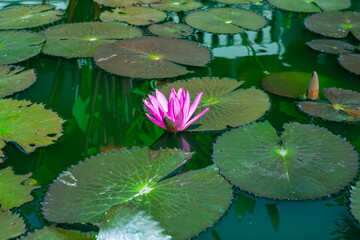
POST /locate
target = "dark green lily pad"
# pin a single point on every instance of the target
(225, 20)
(331, 46)
(305, 162)
(28, 16)
(14, 79)
(134, 15)
(176, 5)
(12, 192)
(29, 125)
(83, 39)
(350, 62)
(194, 200)
(335, 24)
(151, 57)
(18, 46)
(56, 233)
(228, 106)
(123, 3)
(239, 1)
(128, 222)
(345, 106)
(355, 201)
(311, 5)
(169, 29)
(10, 225)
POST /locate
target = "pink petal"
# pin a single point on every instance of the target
(162, 99)
(158, 123)
(185, 108)
(177, 113)
(194, 119)
(152, 110)
(194, 106)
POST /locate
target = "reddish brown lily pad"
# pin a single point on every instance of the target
(169, 29)
(331, 46)
(350, 62)
(311, 5)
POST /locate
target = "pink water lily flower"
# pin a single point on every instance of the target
(173, 115)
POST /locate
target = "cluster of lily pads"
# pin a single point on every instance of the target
(138, 192)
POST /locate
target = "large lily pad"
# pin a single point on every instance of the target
(345, 106)
(350, 62)
(193, 200)
(123, 3)
(225, 20)
(239, 1)
(335, 24)
(169, 29)
(311, 5)
(331, 46)
(12, 192)
(10, 225)
(56, 233)
(18, 46)
(128, 222)
(134, 15)
(28, 17)
(14, 79)
(176, 5)
(83, 39)
(355, 201)
(151, 57)
(305, 162)
(29, 125)
(228, 106)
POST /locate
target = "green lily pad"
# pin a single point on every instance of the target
(335, 24)
(331, 46)
(10, 225)
(29, 125)
(225, 20)
(169, 29)
(239, 1)
(355, 201)
(345, 106)
(350, 62)
(151, 57)
(305, 162)
(28, 16)
(311, 5)
(228, 105)
(56, 233)
(194, 200)
(83, 39)
(128, 222)
(123, 3)
(176, 5)
(14, 79)
(19, 46)
(134, 15)
(12, 192)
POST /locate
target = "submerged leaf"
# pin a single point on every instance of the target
(355, 201)
(11, 225)
(123, 3)
(305, 162)
(83, 39)
(350, 62)
(331, 46)
(151, 57)
(169, 29)
(16, 46)
(176, 5)
(14, 79)
(311, 5)
(56, 233)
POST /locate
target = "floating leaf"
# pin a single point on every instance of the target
(345, 106)
(311, 5)
(350, 62)
(169, 29)
(19, 46)
(12, 192)
(10, 225)
(128, 222)
(331, 46)
(239, 1)
(225, 20)
(28, 16)
(176, 5)
(193, 200)
(14, 79)
(228, 106)
(151, 57)
(305, 162)
(123, 3)
(335, 24)
(83, 39)
(29, 125)
(355, 201)
(56, 233)
(134, 15)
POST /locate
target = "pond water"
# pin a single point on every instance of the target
(104, 111)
